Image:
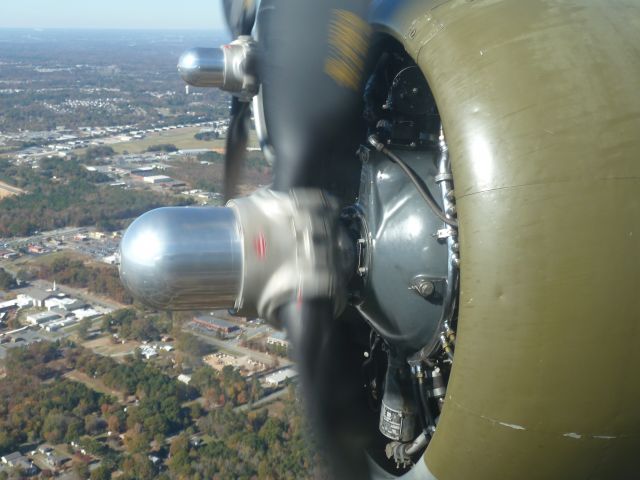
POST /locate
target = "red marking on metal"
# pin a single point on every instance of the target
(260, 246)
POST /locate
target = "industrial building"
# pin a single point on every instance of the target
(278, 378)
(221, 327)
(42, 317)
(279, 339)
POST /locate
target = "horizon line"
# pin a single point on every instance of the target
(200, 29)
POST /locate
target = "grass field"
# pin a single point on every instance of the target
(183, 138)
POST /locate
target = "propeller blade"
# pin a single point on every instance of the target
(311, 65)
(240, 16)
(237, 138)
(329, 366)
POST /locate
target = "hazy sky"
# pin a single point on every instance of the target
(183, 14)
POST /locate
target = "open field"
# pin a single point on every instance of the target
(183, 138)
(48, 258)
(92, 383)
(180, 137)
(104, 346)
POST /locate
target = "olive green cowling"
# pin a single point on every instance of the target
(540, 101)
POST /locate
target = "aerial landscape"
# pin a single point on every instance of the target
(335, 240)
(96, 128)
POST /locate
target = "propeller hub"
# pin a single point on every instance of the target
(183, 258)
(230, 68)
(255, 255)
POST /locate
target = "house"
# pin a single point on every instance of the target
(17, 460)
(148, 351)
(56, 461)
(36, 249)
(45, 449)
(184, 378)
(11, 458)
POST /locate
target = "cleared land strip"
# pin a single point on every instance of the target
(7, 190)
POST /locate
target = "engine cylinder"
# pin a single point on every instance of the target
(184, 258)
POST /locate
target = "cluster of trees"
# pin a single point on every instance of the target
(131, 324)
(247, 445)
(262, 346)
(97, 155)
(7, 282)
(227, 387)
(50, 169)
(163, 147)
(32, 409)
(206, 136)
(101, 280)
(159, 410)
(63, 193)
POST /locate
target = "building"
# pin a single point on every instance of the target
(278, 378)
(148, 351)
(34, 297)
(221, 327)
(45, 449)
(184, 378)
(59, 300)
(8, 305)
(55, 461)
(158, 179)
(42, 317)
(11, 458)
(17, 460)
(279, 339)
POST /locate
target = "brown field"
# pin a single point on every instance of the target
(103, 346)
(47, 259)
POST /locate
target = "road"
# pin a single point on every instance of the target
(237, 349)
(11, 189)
(18, 241)
(263, 401)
